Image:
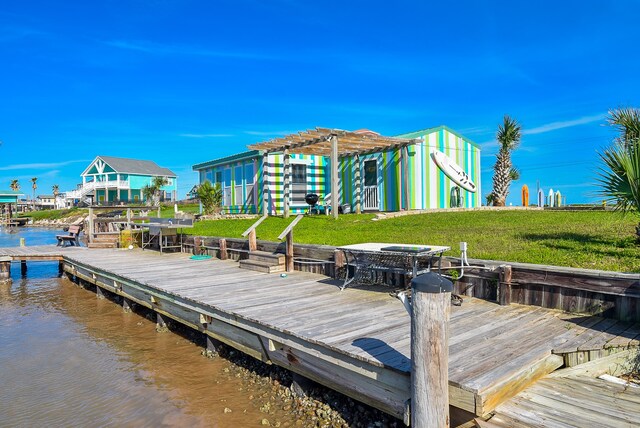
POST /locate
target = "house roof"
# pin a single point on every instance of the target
(10, 193)
(427, 131)
(318, 142)
(45, 196)
(228, 159)
(133, 166)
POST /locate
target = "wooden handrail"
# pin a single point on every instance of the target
(290, 227)
(253, 244)
(288, 233)
(254, 225)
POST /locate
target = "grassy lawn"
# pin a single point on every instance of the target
(54, 214)
(593, 240)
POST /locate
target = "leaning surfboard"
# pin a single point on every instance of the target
(551, 199)
(453, 171)
(525, 195)
(540, 198)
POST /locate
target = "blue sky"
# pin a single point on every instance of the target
(182, 82)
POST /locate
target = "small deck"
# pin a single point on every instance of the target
(572, 401)
(356, 341)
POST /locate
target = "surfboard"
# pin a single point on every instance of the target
(540, 198)
(525, 196)
(453, 171)
(551, 200)
(558, 199)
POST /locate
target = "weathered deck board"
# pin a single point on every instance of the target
(360, 329)
(573, 401)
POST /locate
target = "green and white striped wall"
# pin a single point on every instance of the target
(428, 186)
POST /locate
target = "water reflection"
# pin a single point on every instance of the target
(71, 359)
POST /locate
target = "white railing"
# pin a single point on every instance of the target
(370, 198)
(92, 185)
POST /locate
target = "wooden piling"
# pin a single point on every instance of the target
(289, 252)
(504, 285)
(126, 304)
(5, 270)
(23, 267)
(431, 307)
(222, 243)
(253, 244)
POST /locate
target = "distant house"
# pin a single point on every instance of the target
(193, 193)
(110, 180)
(385, 184)
(45, 202)
(9, 200)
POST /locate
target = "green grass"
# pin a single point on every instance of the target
(586, 239)
(54, 214)
(168, 211)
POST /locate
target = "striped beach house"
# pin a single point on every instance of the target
(373, 174)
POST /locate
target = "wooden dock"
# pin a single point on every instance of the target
(356, 341)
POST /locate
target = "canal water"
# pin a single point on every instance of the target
(68, 359)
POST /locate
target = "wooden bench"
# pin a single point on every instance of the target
(72, 238)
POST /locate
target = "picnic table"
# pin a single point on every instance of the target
(164, 231)
(368, 258)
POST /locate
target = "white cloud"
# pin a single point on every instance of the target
(268, 133)
(20, 166)
(553, 126)
(170, 49)
(206, 135)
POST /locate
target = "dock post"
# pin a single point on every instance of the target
(126, 305)
(504, 285)
(222, 244)
(431, 307)
(60, 269)
(99, 292)
(23, 267)
(161, 324)
(5, 271)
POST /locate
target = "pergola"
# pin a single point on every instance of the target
(335, 144)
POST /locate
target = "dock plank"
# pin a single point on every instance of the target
(489, 343)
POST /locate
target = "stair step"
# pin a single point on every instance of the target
(261, 266)
(265, 256)
(102, 245)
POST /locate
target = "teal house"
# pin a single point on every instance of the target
(374, 173)
(110, 180)
(9, 197)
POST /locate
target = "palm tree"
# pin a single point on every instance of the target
(508, 136)
(14, 185)
(34, 186)
(619, 176)
(56, 191)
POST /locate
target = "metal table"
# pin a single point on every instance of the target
(405, 259)
(163, 228)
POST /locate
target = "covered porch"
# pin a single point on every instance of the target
(334, 144)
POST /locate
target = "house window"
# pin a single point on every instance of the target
(237, 180)
(226, 186)
(218, 177)
(298, 173)
(249, 177)
(298, 183)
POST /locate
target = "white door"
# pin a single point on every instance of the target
(370, 197)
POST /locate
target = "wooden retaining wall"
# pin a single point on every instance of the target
(608, 294)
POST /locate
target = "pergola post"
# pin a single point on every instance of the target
(358, 183)
(287, 180)
(404, 154)
(334, 176)
(265, 185)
